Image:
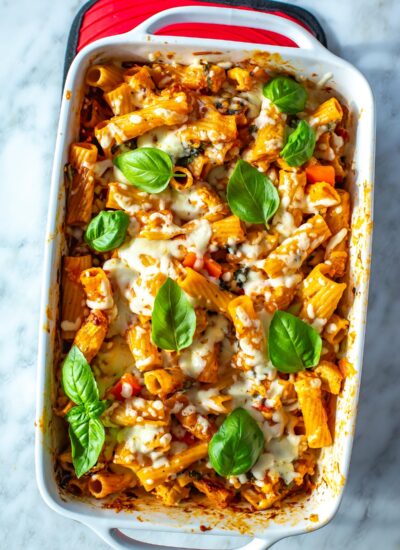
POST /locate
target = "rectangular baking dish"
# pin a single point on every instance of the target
(312, 61)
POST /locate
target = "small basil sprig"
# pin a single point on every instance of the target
(237, 445)
(287, 94)
(86, 431)
(107, 230)
(147, 168)
(300, 145)
(293, 345)
(173, 320)
(251, 195)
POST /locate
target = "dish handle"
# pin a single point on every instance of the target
(229, 16)
(118, 540)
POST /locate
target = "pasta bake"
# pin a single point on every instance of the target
(202, 324)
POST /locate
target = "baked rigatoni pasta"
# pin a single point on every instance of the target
(203, 283)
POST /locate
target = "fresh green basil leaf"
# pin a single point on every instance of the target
(300, 145)
(287, 94)
(81, 412)
(293, 345)
(173, 319)
(96, 409)
(237, 445)
(77, 378)
(251, 195)
(87, 437)
(107, 230)
(77, 414)
(147, 168)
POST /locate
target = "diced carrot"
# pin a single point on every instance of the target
(189, 260)
(213, 268)
(318, 172)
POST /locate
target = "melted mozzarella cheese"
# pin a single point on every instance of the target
(278, 459)
(335, 240)
(203, 400)
(187, 204)
(136, 253)
(193, 360)
(165, 139)
(115, 358)
(121, 278)
(254, 99)
(140, 438)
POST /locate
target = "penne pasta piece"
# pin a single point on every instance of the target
(249, 333)
(127, 197)
(83, 156)
(335, 330)
(291, 185)
(73, 296)
(137, 410)
(215, 491)
(209, 374)
(290, 255)
(97, 288)
(242, 78)
(328, 113)
(141, 85)
(163, 112)
(146, 354)
(308, 389)
(330, 376)
(207, 293)
(159, 226)
(81, 192)
(80, 198)
(196, 424)
(261, 500)
(106, 77)
(270, 137)
(171, 495)
(213, 128)
(181, 183)
(162, 382)
(103, 484)
(227, 231)
(320, 196)
(91, 334)
(78, 487)
(151, 477)
(120, 100)
(338, 217)
(320, 296)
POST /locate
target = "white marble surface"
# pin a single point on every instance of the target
(33, 36)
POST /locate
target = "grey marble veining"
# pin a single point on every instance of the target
(32, 39)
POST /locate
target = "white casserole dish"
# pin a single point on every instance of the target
(312, 61)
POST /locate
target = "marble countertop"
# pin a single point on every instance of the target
(33, 39)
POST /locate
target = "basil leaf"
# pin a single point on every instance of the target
(147, 168)
(77, 378)
(293, 344)
(87, 437)
(173, 319)
(251, 195)
(287, 94)
(237, 445)
(107, 230)
(76, 415)
(300, 145)
(96, 409)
